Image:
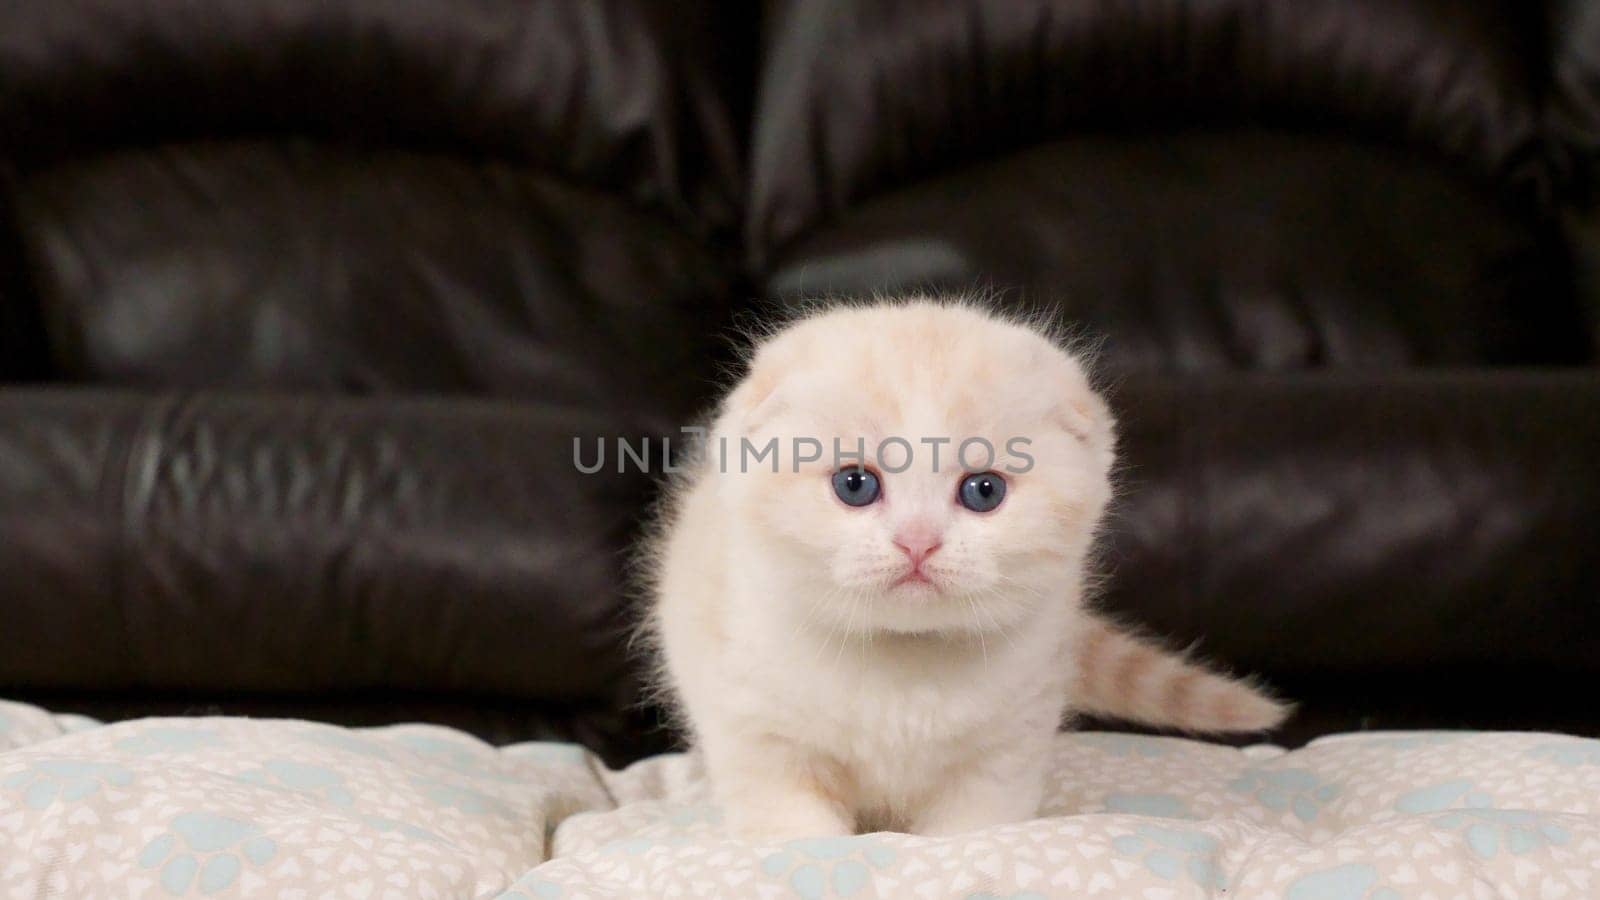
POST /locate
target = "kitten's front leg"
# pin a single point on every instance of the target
(773, 791)
(1004, 786)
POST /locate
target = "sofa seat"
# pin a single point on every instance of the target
(256, 807)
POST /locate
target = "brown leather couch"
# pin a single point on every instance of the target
(302, 303)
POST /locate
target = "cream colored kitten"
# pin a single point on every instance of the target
(854, 646)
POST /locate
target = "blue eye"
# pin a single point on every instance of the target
(856, 486)
(982, 492)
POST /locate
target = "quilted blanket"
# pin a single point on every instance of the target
(255, 808)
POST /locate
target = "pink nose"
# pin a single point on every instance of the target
(918, 542)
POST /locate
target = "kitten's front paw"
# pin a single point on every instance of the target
(773, 791)
(998, 793)
(952, 822)
(772, 827)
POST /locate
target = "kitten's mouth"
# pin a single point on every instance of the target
(915, 577)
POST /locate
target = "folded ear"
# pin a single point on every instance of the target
(1082, 414)
(752, 401)
(1081, 411)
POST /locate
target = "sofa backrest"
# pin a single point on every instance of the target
(302, 304)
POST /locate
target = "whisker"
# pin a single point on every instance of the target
(849, 629)
(993, 620)
(983, 643)
(832, 624)
(1021, 586)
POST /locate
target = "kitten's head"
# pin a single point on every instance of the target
(927, 532)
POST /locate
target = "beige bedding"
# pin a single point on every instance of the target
(255, 808)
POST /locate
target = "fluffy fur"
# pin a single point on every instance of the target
(826, 694)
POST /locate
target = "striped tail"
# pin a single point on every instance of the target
(1125, 677)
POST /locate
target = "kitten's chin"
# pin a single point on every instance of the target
(923, 607)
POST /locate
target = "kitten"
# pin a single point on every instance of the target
(856, 646)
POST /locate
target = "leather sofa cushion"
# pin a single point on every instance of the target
(858, 98)
(301, 266)
(624, 95)
(1217, 252)
(348, 556)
